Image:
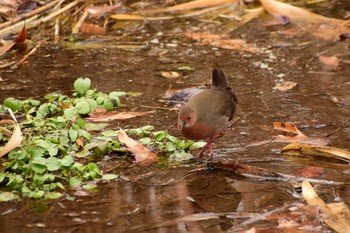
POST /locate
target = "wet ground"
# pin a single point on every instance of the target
(155, 199)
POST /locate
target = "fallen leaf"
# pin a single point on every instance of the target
(143, 156)
(332, 62)
(21, 37)
(335, 216)
(302, 149)
(318, 25)
(92, 29)
(170, 75)
(285, 86)
(222, 41)
(16, 137)
(294, 14)
(288, 128)
(288, 132)
(113, 115)
(310, 172)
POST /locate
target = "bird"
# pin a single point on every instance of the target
(208, 114)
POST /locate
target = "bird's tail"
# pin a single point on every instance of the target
(219, 78)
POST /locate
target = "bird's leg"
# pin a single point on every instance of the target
(210, 144)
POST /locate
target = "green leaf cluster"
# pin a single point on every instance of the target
(54, 135)
(57, 139)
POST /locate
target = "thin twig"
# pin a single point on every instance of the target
(34, 21)
(29, 14)
(80, 22)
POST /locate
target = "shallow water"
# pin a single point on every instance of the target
(155, 199)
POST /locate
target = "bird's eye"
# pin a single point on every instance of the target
(188, 118)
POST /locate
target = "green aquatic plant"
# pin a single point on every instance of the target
(58, 143)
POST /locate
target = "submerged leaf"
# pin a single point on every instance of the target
(337, 220)
(222, 41)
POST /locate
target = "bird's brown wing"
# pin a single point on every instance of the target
(231, 102)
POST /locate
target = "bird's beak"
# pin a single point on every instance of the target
(182, 126)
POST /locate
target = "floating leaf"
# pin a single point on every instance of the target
(285, 86)
(293, 134)
(143, 156)
(302, 149)
(222, 41)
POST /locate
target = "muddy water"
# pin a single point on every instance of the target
(159, 200)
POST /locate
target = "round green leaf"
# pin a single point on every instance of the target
(82, 85)
(53, 164)
(169, 146)
(73, 134)
(108, 105)
(13, 103)
(74, 182)
(66, 161)
(83, 107)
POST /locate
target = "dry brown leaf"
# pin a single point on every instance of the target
(16, 137)
(292, 134)
(303, 149)
(170, 75)
(310, 172)
(285, 86)
(222, 41)
(143, 156)
(294, 14)
(288, 128)
(318, 25)
(92, 29)
(332, 62)
(21, 37)
(113, 115)
(6, 47)
(332, 215)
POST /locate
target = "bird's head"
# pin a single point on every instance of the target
(186, 118)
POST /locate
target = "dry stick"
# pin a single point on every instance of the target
(188, 15)
(62, 10)
(57, 31)
(38, 21)
(80, 22)
(29, 14)
(16, 27)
